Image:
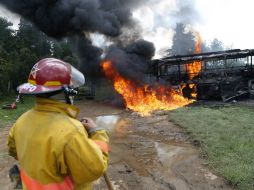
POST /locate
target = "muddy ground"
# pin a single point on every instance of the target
(147, 153)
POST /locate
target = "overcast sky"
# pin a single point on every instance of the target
(228, 20)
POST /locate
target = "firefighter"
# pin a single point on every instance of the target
(56, 151)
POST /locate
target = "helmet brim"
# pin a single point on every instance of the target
(28, 88)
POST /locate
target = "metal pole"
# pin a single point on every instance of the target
(179, 72)
(108, 182)
(251, 62)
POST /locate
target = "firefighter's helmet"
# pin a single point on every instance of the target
(51, 75)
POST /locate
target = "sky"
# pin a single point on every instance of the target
(228, 20)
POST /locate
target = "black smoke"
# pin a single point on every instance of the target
(61, 18)
(132, 61)
(88, 55)
(77, 19)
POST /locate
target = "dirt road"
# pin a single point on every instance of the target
(146, 153)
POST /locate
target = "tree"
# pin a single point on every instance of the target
(21, 49)
(6, 33)
(62, 50)
(183, 41)
(6, 46)
(216, 45)
(4, 74)
(30, 37)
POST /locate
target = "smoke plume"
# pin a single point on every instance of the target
(60, 18)
(132, 61)
(77, 19)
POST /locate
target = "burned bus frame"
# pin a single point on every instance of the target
(224, 74)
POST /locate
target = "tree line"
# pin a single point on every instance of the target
(184, 42)
(20, 49)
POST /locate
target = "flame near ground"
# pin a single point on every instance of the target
(144, 99)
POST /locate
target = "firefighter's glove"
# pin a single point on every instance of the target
(90, 125)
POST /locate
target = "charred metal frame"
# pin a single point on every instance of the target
(173, 69)
(158, 64)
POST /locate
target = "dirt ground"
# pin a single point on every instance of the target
(146, 153)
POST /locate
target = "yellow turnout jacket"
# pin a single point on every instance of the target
(54, 150)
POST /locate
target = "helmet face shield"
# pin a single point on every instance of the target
(50, 75)
(77, 78)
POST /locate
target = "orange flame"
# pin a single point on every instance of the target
(195, 67)
(144, 99)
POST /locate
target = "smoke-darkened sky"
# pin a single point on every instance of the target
(228, 20)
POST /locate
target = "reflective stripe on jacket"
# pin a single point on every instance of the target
(54, 150)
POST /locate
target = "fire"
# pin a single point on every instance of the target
(144, 99)
(195, 67)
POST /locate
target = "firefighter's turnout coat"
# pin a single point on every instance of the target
(54, 150)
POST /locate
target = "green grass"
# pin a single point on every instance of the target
(8, 117)
(227, 139)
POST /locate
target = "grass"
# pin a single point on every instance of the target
(8, 117)
(227, 138)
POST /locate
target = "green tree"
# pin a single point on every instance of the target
(23, 65)
(183, 41)
(6, 34)
(21, 49)
(7, 43)
(30, 37)
(62, 50)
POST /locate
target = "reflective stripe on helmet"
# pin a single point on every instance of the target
(48, 83)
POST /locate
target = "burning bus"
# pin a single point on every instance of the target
(225, 75)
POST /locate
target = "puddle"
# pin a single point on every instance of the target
(169, 154)
(108, 122)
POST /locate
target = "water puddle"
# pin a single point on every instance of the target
(168, 154)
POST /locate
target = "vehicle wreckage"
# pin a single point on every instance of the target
(226, 75)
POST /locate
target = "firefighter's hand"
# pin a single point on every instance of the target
(88, 123)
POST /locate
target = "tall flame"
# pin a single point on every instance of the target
(144, 99)
(195, 67)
